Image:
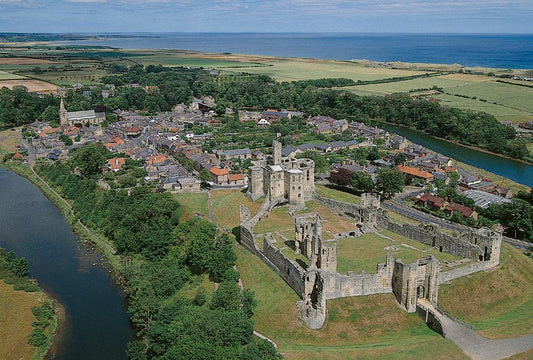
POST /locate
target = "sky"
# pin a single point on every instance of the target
(388, 16)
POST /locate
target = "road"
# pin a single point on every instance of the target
(476, 346)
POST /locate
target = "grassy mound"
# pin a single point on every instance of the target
(497, 302)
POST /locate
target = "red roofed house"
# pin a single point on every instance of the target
(414, 173)
(461, 209)
(236, 179)
(156, 159)
(115, 164)
(432, 202)
(219, 176)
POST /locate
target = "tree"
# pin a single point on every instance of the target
(90, 158)
(342, 177)
(259, 349)
(454, 179)
(400, 158)
(390, 181)
(517, 218)
(362, 181)
(205, 175)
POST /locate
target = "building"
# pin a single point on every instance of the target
(79, 118)
(282, 178)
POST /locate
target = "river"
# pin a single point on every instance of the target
(512, 169)
(97, 325)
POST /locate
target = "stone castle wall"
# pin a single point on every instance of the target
(289, 270)
(464, 271)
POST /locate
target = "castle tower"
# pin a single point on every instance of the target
(62, 114)
(276, 152)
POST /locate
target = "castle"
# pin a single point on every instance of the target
(318, 280)
(79, 118)
(282, 179)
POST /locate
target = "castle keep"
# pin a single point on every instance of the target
(283, 179)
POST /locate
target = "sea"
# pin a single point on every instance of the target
(484, 50)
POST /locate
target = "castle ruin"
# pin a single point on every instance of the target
(281, 178)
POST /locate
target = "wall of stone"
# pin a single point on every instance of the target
(289, 270)
(338, 285)
(464, 271)
(470, 244)
(432, 321)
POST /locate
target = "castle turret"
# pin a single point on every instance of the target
(62, 114)
(276, 152)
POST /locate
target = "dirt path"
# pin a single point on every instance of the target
(476, 346)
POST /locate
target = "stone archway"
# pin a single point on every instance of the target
(420, 292)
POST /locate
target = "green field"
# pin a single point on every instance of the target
(305, 69)
(363, 253)
(497, 302)
(9, 76)
(337, 194)
(192, 204)
(371, 327)
(226, 207)
(173, 60)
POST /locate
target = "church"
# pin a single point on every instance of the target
(79, 118)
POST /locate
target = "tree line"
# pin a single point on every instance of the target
(176, 312)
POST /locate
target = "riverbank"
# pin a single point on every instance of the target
(24, 331)
(476, 148)
(82, 279)
(86, 235)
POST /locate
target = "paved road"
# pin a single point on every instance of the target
(29, 147)
(476, 346)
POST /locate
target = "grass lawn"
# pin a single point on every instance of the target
(278, 220)
(226, 207)
(371, 327)
(337, 194)
(366, 251)
(15, 322)
(331, 223)
(497, 302)
(191, 204)
(9, 140)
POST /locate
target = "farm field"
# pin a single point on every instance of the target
(31, 84)
(371, 327)
(9, 76)
(304, 69)
(9, 140)
(15, 322)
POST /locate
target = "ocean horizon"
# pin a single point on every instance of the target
(513, 51)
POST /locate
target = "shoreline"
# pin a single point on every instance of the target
(460, 144)
(110, 261)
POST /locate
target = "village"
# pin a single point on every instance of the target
(179, 152)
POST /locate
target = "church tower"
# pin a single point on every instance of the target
(62, 114)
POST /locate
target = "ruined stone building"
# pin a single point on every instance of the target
(318, 280)
(280, 178)
(79, 118)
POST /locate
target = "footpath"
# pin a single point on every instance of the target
(475, 345)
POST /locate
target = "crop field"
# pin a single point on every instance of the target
(192, 62)
(370, 327)
(85, 76)
(9, 139)
(305, 69)
(9, 76)
(30, 84)
(15, 322)
(497, 302)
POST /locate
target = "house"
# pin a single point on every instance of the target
(399, 143)
(483, 199)
(412, 173)
(241, 154)
(219, 175)
(465, 211)
(235, 179)
(289, 151)
(263, 123)
(116, 163)
(272, 115)
(156, 159)
(432, 202)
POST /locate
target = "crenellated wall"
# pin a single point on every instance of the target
(483, 245)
